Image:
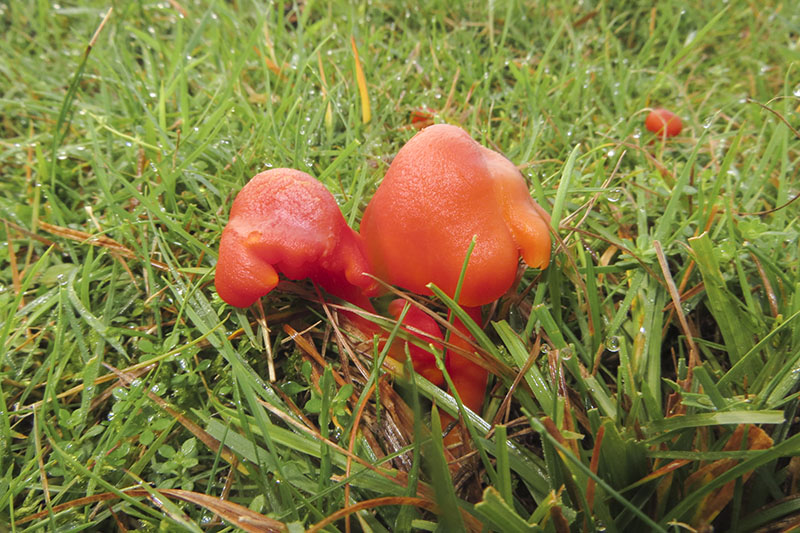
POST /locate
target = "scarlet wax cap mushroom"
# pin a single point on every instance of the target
(663, 122)
(442, 189)
(285, 221)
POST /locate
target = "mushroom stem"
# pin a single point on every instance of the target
(468, 378)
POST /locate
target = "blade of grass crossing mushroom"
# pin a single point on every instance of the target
(361, 80)
(445, 401)
(474, 329)
(465, 319)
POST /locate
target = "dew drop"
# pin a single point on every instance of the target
(613, 195)
(612, 344)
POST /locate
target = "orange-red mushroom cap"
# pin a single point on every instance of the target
(663, 122)
(285, 221)
(442, 189)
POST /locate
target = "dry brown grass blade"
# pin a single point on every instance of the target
(372, 504)
(235, 514)
(780, 117)
(664, 470)
(594, 466)
(97, 240)
(716, 501)
(694, 353)
(179, 8)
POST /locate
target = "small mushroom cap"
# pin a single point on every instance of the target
(441, 190)
(285, 221)
(663, 122)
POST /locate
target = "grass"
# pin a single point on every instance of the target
(649, 376)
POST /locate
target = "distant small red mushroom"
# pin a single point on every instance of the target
(421, 117)
(663, 122)
(442, 190)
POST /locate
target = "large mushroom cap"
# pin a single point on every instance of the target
(285, 221)
(442, 189)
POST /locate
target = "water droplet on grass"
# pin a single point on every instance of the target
(612, 344)
(613, 195)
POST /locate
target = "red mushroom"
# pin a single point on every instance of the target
(285, 221)
(442, 190)
(663, 123)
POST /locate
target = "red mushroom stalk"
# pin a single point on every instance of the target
(424, 361)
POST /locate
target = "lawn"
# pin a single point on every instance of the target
(647, 380)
